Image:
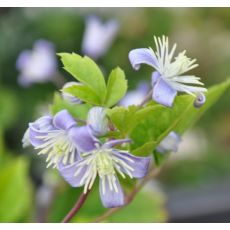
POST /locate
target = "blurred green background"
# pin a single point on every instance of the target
(199, 172)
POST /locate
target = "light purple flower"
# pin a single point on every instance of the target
(98, 36)
(60, 138)
(105, 161)
(98, 121)
(38, 65)
(135, 97)
(168, 78)
(69, 97)
(170, 143)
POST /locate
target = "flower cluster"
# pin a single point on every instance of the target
(83, 150)
(80, 156)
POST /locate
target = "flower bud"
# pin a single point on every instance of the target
(69, 97)
(97, 120)
(200, 100)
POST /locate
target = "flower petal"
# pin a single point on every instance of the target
(83, 138)
(155, 77)
(163, 93)
(142, 56)
(68, 173)
(139, 165)
(112, 143)
(63, 120)
(111, 198)
(39, 128)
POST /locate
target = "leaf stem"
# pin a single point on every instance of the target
(130, 197)
(76, 207)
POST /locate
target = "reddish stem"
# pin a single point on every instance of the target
(76, 207)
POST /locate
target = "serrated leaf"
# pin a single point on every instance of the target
(159, 122)
(84, 93)
(76, 110)
(85, 70)
(116, 87)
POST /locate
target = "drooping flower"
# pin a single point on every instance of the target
(98, 36)
(106, 162)
(135, 97)
(59, 138)
(69, 97)
(98, 121)
(169, 77)
(38, 65)
(170, 143)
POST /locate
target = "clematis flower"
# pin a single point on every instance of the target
(169, 78)
(170, 143)
(105, 161)
(98, 37)
(69, 97)
(38, 65)
(58, 138)
(135, 97)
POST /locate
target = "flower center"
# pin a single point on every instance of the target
(104, 162)
(58, 147)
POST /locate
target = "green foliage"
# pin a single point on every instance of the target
(161, 120)
(94, 90)
(84, 93)
(125, 119)
(116, 87)
(86, 71)
(77, 110)
(15, 191)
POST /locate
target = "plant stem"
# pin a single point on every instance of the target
(146, 99)
(76, 207)
(130, 197)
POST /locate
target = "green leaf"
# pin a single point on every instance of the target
(125, 119)
(84, 93)
(86, 71)
(15, 191)
(160, 121)
(116, 87)
(76, 110)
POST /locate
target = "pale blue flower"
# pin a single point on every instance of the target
(59, 138)
(167, 80)
(38, 65)
(105, 161)
(98, 36)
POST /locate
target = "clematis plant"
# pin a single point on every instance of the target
(90, 133)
